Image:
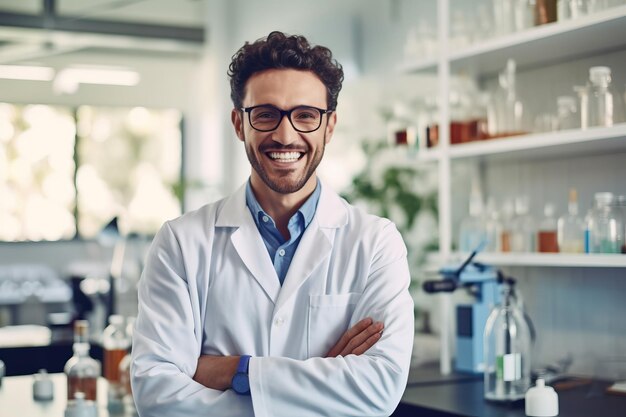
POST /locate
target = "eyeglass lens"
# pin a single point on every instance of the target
(303, 118)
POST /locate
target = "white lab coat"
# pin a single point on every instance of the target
(209, 287)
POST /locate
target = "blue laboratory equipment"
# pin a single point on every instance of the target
(485, 284)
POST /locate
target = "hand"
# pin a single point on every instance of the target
(357, 339)
(216, 372)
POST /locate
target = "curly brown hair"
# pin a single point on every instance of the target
(280, 50)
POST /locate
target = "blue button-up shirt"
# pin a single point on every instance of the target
(281, 251)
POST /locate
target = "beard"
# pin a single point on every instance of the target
(283, 184)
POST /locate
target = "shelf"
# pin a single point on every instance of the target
(547, 145)
(546, 44)
(553, 260)
(556, 260)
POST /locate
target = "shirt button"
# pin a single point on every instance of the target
(281, 252)
(279, 321)
(266, 219)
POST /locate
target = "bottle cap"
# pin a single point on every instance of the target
(600, 75)
(542, 401)
(116, 319)
(43, 389)
(79, 407)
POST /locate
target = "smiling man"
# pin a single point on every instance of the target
(281, 299)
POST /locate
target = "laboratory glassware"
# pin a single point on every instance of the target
(566, 113)
(82, 373)
(115, 342)
(547, 233)
(571, 227)
(600, 97)
(507, 350)
(604, 226)
(522, 227)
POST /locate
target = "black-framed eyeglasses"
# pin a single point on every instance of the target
(266, 117)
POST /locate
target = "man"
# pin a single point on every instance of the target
(226, 330)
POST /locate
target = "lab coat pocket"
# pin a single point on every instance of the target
(329, 318)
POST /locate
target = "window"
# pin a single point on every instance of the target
(68, 172)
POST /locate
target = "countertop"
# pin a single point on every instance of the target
(16, 398)
(429, 394)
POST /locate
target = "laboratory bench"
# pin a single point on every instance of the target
(429, 394)
(16, 398)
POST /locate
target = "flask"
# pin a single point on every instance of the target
(115, 343)
(600, 98)
(547, 234)
(571, 227)
(604, 226)
(522, 228)
(82, 372)
(507, 344)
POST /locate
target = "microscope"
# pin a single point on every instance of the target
(485, 284)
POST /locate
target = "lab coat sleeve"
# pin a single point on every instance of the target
(167, 340)
(367, 385)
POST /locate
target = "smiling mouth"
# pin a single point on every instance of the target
(285, 156)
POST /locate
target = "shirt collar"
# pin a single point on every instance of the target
(307, 210)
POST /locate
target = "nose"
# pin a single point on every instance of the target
(285, 134)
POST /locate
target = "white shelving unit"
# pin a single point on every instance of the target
(536, 47)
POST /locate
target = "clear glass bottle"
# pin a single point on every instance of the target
(82, 373)
(577, 8)
(604, 231)
(547, 234)
(522, 227)
(621, 207)
(493, 227)
(472, 231)
(129, 403)
(506, 108)
(600, 99)
(566, 113)
(562, 10)
(115, 342)
(571, 227)
(507, 350)
(508, 213)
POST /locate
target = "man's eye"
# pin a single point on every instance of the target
(306, 115)
(264, 116)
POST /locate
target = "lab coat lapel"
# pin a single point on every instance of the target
(316, 243)
(248, 242)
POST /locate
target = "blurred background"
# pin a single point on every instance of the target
(462, 121)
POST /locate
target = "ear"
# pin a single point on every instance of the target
(330, 126)
(237, 121)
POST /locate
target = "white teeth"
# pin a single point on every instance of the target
(285, 156)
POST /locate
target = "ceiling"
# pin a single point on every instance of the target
(31, 30)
